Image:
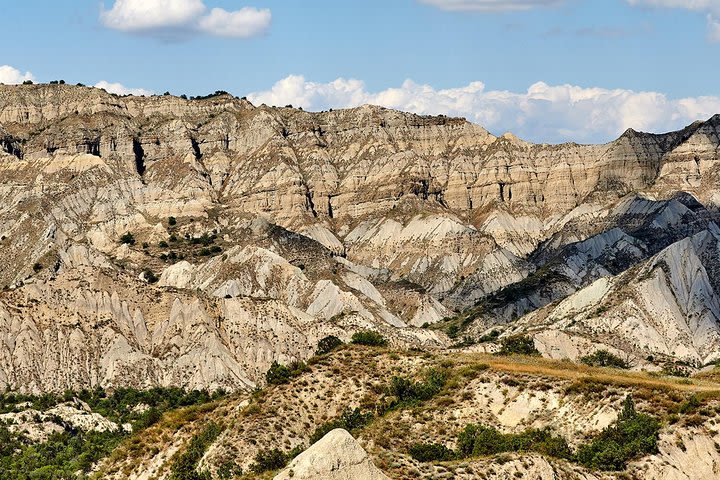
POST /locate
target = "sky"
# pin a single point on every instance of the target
(546, 70)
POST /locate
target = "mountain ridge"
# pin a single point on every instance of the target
(195, 242)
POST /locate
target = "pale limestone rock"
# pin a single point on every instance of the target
(336, 456)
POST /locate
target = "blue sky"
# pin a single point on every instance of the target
(548, 70)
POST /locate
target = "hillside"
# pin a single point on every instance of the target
(510, 394)
(163, 241)
(179, 277)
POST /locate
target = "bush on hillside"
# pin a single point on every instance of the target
(127, 239)
(431, 452)
(406, 391)
(268, 460)
(630, 437)
(369, 338)
(349, 420)
(518, 345)
(278, 374)
(328, 344)
(603, 358)
(477, 440)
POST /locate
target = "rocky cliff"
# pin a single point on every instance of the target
(163, 241)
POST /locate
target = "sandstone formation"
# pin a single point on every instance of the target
(270, 228)
(336, 456)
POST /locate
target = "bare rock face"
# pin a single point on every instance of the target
(666, 307)
(336, 456)
(269, 228)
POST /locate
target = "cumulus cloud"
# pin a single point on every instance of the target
(710, 7)
(490, 5)
(181, 18)
(246, 22)
(543, 113)
(11, 75)
(120, 89)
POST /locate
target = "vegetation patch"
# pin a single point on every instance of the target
(328, 344)
(70, 454)
(368, 338)
(603, 358)
(279, 374)
(403, 391)
(350, 420)
(518, 345)
(184, 466)
(632, 436)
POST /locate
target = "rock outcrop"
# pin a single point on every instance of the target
(336, 456)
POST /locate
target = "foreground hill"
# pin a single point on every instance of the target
(549, 412)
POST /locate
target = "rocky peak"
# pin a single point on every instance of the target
(336, 456)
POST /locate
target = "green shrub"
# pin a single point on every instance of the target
(518, 345)
(477, 440)
(630, 437)
(349, 420)
(184, 466)
(430, 452)
(277, 374)
(328, 344)
(127, 239)
(603, 358)
(268, 460)
(163, 244)
(406, 391)
(675, 370)
(369, 338)
(489, 337)
(228, 469)
(690, 405)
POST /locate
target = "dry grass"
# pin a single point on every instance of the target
(566, 370)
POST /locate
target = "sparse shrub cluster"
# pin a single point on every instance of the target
(278, 374)
(406, 391)
(431, 452)
(368, 338)
(630, 437)
(476, 440)
(603, 358)
(675, 370)
(328, 344)
(184, 466)
(349, 420)
(518, 345)
(274, 459)
(489, 337)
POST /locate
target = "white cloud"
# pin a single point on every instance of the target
(710, 7)
(179, 18)
(120, 89)
(490, 5)
(550, 113)
(11, 75)
(246, 22)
